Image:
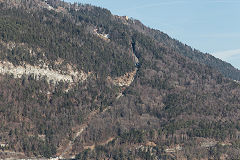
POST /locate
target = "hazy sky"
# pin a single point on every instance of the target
(212, 26)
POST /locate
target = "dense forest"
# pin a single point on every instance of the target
(179, 104)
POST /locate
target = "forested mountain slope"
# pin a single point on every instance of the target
(223, 67)
(79, 82)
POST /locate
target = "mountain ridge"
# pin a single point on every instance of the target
(146, 97)
(223, 67)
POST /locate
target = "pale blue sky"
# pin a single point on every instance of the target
(212, 26)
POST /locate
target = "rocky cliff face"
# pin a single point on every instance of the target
(125, 80)
(43, 72)
(123, 91)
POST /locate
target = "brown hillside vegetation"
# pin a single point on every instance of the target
(67, 92)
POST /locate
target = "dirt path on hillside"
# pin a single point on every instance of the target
(65, 151)
(92, 147)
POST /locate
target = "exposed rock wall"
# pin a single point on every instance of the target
(53, 76)
(124, 80)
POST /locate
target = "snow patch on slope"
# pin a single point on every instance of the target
(101, 35)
